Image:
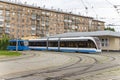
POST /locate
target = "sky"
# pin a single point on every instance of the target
(103, 10)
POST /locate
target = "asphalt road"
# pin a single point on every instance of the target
(43, 65)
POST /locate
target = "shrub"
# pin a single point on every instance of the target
(4, 42)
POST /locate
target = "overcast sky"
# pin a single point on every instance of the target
(99, 9)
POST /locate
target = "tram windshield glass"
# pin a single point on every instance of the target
(12, 43)
(98, 42)
(20, 43)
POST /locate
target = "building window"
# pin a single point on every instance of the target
(105, 42)
(1, 22)
(13, 13)
(7, 13)
(1, 12)
(99, 28)
(1, 6)
(1, 29)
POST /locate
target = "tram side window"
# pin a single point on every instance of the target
(68, 44)
(86, 44)
(53, 44)
(37, 44)
(78, 44)
(82, 44)
(62, 44)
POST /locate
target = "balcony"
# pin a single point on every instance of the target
(8, 18)
(39, 32)
(1, 18)
(67, 20)
(8, 32)
(1, 25)
(7, 14)
(33, 28)
(8, 26)
(7, 8)
(47, 14)
(43, 24)
(38, 18)
(33, 34)
(43, 13)
(47, 24)
(1, 7)
(1, 31)
(33, 17)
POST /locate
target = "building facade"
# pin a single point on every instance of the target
(22, 20)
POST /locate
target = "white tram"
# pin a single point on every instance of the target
(71, 44)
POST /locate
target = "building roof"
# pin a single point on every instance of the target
(87, 34)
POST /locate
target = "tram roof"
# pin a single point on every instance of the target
(88, 34)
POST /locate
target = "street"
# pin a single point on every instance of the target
(49, 65)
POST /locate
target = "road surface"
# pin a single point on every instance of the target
(47, 65)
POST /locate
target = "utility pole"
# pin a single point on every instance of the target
(18, 16)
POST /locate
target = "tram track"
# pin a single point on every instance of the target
(86, 70)
(76, 65)
(46, 71)
(60, 69)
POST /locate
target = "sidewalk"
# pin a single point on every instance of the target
(40, 60)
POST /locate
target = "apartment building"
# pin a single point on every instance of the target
(22, 20)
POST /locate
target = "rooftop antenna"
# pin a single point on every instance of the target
(19, 2)
(15, 1)
(25, 2)
(52, 7)
(66, 10)
(86, 8)
(43, 6)
(58, 9)
(33, 4)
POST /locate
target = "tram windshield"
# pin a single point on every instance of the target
(12, 43)
(20, 43)
(97, 42)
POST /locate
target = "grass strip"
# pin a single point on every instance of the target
(9, 53)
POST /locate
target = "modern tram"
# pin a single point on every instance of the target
(71, 44)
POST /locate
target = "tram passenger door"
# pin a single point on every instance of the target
(77, 46)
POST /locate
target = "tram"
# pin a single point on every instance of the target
(22, 45)
(72, 44)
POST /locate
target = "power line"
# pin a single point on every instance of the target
(114, 6)
(109, 2)
(86, 8)
(92, 8)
